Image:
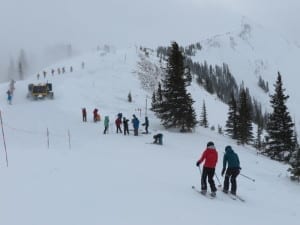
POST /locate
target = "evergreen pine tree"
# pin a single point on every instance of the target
(157, 97)
(280, 126)
(295, 165)
(258, 142)
(159, 92)
(153, 101)
(175, 109)
(232, 121)
(203, 116)
(244, 124)
(22, 65)
(295, 138)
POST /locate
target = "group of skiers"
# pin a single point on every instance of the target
(231, 169)
(118, 122)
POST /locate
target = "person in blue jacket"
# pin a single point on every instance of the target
(232, 162)
(135, 121)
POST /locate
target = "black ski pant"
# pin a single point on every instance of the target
(105, 129)
(136, 131)
(208, 173)
(126, 130)
(231, 174)
(119, 129)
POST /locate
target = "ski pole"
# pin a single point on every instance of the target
(220, 185)
(248, 177)
(200, 170)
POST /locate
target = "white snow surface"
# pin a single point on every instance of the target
(122, 180)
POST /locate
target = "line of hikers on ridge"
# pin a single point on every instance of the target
(58, 71)
(231, 169)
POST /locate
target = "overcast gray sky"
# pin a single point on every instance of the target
(34, 24)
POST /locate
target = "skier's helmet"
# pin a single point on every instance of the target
(210, 143)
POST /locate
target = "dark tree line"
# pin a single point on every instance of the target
(190, 50)
(239, 122)
(263, 84)
(17, 69)
(217, 80)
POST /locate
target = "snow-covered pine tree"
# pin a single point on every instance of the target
(244, 125)
(159, 92)
(232, 120)
(176, 109)
(280, 126)
(156, 99)
(295, 165)
(22, 65)
(203, 117)
(258, 141)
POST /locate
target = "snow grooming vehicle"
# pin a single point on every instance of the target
(40, 91)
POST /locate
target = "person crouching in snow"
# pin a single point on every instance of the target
(210, 156)
(158, 139)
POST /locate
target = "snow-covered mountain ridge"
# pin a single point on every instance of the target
(253, 51)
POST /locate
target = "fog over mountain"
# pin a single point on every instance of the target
(35, 25)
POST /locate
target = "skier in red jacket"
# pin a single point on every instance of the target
(118, 123)
(210, 155)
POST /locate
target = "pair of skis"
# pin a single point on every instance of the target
(233, 197)
(202, 193)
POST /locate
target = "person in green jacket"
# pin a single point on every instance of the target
(232, 162)
(106, 123)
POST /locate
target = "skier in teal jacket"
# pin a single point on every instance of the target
(106, 124)
(231, 160)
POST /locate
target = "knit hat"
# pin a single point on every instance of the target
(210, 143)
(228, 148)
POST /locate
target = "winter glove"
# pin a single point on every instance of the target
(223, 171)
(198, 163)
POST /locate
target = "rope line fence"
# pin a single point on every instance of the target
(46, 132)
